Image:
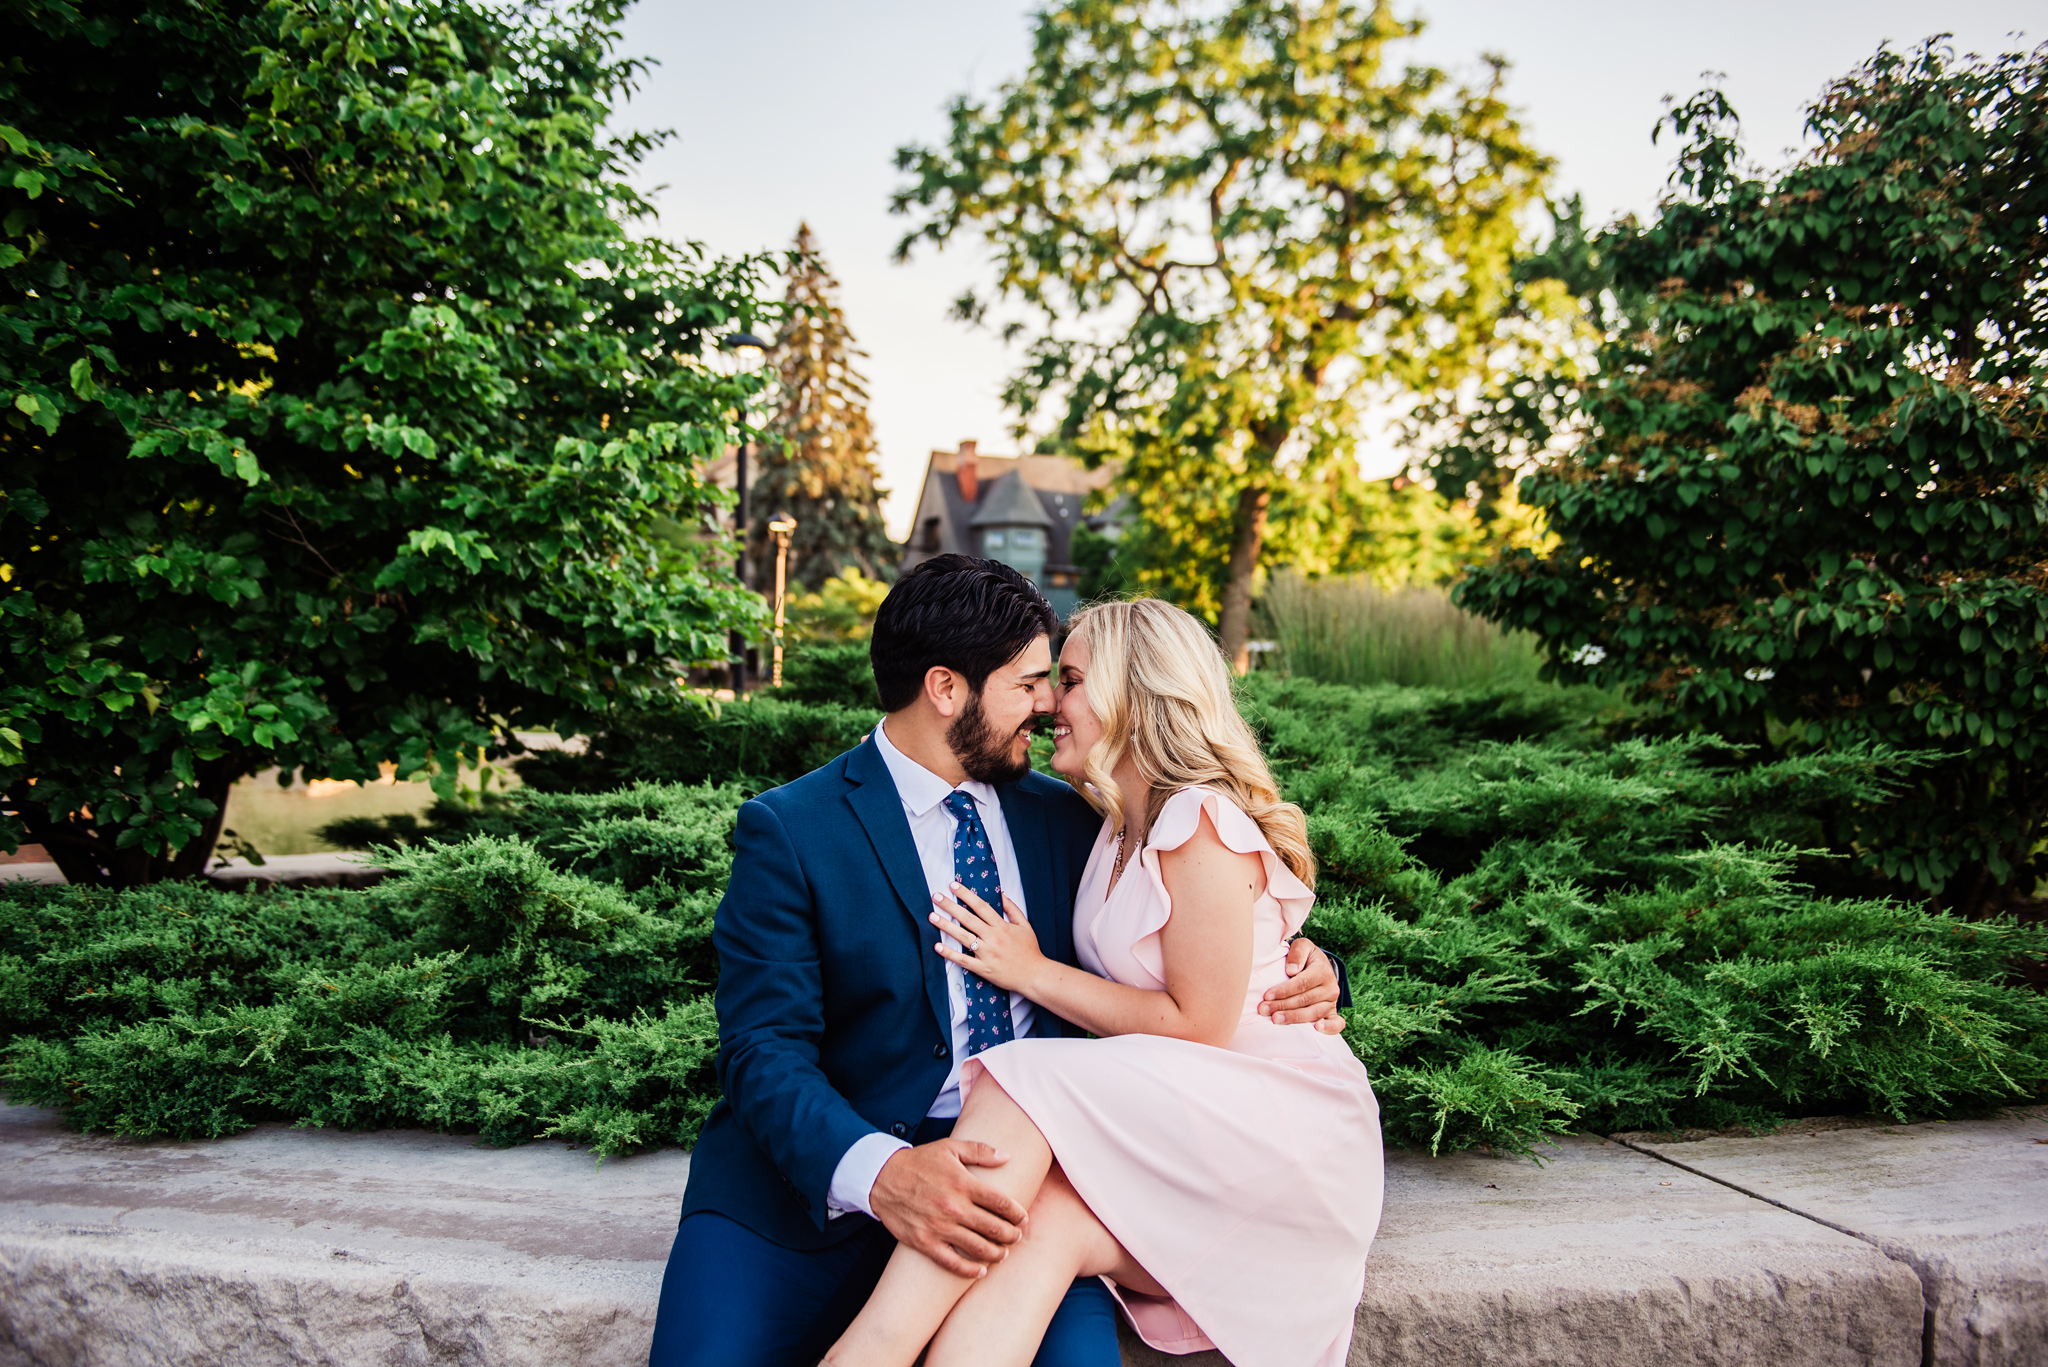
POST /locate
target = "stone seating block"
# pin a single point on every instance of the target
(286, 1246)
(291, 1247)
(1605, 1257)
(1964, 1204)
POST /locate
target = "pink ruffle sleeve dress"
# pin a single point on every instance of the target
(1247, 1179)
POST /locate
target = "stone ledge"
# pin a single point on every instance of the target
(1607, 1257)
(292, 1247)
(1964, 1205)
(342, 870)
(102, 1295)
(299, 1246)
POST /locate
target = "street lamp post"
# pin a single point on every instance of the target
(781, 527)
(743, 353)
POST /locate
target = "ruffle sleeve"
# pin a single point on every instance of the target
(1176, 824)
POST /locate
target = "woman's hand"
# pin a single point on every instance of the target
(1005, 946)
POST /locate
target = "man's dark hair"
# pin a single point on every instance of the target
(958, 612)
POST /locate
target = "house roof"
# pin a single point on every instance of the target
(945, 520)
(1010, 503)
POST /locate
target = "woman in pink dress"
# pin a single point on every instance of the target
(1220, 1172)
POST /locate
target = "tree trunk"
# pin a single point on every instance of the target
(215, 779)
(1235, 624)
(87, 856)
(73, 849)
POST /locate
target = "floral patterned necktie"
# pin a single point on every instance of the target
(974, 864)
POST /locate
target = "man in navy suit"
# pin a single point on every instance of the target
(841, 1032)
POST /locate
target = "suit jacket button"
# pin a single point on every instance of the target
(899, 1129)
(940, 1051)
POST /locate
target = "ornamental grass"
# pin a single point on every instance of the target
(1351, 630)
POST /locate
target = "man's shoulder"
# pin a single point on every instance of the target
(824, 784)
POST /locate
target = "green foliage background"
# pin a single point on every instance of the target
(342, 419)
(1546, 929)
(817, 463)
(1808, 503)
(1235, 229)
(316, 457)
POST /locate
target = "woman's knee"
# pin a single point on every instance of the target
(1058, 1194)
(1059, 1214)
(1058, 1205)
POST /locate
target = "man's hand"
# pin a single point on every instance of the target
(1309, 994)
(930, 1198)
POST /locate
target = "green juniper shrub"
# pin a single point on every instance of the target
(1547, 928)
(830, 672)
(548, 978)
(1304, 723)
(1543, 933)
(757, 742)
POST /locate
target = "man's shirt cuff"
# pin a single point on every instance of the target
(853, 1181)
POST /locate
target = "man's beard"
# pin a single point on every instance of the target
(983, 751)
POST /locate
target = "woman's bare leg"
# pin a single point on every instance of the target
(1002, 1319)
(915, 1293)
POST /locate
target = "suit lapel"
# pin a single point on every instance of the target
(1031, 837)
(880, 810)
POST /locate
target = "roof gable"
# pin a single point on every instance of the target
(1011, 504)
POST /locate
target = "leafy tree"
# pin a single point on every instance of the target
(341, 409)
(843, 609)
(1238, 226)
(1095, 555)
(1525, 407)
(1811, 507)
(818, 461)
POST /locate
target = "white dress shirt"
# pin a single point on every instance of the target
(924, 796)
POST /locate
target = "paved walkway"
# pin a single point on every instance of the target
(1897, 1246)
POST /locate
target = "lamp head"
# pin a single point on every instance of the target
(742, 351)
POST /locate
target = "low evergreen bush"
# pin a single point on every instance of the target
(757, 743)
(830, 672)
(548, 977)
(1547, 929)
(1541, 935)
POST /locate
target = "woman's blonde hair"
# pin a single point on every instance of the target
(1161, 689)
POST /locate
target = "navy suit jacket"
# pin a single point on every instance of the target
(833, 1017)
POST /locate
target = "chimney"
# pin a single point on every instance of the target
(970, 472)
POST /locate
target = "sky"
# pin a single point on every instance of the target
(789, 111)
